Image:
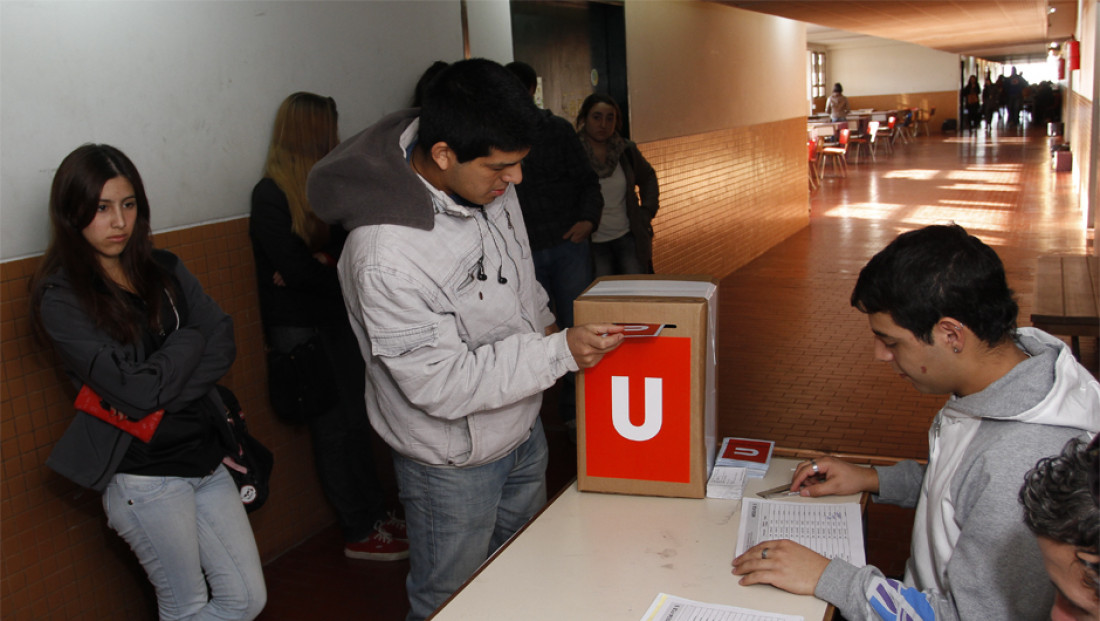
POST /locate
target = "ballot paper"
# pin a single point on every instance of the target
(726, 482)
(671, 608)
(831, 530)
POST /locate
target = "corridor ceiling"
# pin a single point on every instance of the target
(995, 30)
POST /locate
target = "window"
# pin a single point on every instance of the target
(817, 74)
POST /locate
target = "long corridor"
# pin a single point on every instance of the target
(795, 360)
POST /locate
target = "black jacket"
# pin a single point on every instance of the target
(311, 296)
(559, 187)
(183, 370)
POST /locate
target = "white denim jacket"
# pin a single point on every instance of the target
(457, 365)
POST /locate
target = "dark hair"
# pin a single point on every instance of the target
(526, 74)
(598, 98)
(837, 88)
(425, 79)
(476, 105)
(74, 200)
(1060, 502)
(935, 272)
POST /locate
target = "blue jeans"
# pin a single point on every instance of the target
(564, 271)
(457, 517)
(618, 256)
(188, 532)
(342, 437)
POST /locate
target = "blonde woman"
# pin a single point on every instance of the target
(300, 301)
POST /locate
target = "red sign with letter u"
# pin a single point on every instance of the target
(637, 411)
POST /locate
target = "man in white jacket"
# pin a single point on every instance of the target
(458, 339)
(943, 316)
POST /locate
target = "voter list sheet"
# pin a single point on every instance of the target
(831, 530)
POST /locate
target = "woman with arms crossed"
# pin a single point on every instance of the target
(135, 326)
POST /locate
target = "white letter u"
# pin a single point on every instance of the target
(620, 409)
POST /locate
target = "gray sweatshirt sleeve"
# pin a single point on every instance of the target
(865, 594)
(899, 484)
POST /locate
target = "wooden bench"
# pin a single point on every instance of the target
(1067, 296)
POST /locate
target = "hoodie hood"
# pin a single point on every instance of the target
(366, 180)
(1049, 388)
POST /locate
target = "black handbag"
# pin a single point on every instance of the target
(249, 462)
(300, 383)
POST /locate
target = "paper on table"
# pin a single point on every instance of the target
(726, 482)
(831, 530)
(671, 608)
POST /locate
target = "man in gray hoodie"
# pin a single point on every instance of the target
(943, 316)
(459, 341)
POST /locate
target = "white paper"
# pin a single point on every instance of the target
(726, 482)
(671, 608)
(831, 530)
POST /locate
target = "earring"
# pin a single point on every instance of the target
(956, 350)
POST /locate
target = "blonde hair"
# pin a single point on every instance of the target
(305, 131)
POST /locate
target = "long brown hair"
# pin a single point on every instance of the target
(305, 131)
(74, 199)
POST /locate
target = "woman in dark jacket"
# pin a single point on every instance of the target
(301, 303)
(132, 324)
(623, 243)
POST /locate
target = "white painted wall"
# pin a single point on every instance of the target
(883, 67)
(188, 89)
(695, 67)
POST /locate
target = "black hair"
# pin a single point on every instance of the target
(591, 101)
(476, 105)
(526, 74)
(935, 272)
(425, 79)
(1060, 502)
(74, 199)
(837, 88)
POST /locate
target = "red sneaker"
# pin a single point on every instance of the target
(394, 527)
(380, 546)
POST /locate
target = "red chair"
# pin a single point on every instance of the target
(837, 154)
(887, 133)
(866, 140)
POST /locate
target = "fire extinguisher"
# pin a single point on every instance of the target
(1073, 51)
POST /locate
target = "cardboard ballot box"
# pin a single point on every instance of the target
(647, 413)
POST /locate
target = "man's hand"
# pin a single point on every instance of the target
(590, 342)
(579, 232)
(833, 477)
(784, 564)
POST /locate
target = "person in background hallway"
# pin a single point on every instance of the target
(989, 103)
(1061, 499)
(1014, 96)
(457, 332)
(131, 323)
(623, 244)
(295, 255)
(836, 106)
(561, 202)
(944, 318)
(971, 96)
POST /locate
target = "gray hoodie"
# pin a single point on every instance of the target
(972, 556)
(457, 364)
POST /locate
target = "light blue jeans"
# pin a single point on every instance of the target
(188, 532)
(457, 517)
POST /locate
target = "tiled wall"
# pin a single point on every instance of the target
(726, 198)
(60, 560)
